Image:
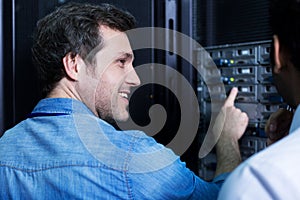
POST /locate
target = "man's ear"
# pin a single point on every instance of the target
(277, 61)
(71, 65)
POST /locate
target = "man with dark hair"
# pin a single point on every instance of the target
(273, 173)
(67, 148)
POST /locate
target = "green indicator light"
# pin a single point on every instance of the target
(231, 61)
(231, 79)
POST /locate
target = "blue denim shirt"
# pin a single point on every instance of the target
(63, 151)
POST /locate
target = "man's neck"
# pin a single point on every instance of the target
(64, 89)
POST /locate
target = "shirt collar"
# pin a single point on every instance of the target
(296, 122)
(60, 106)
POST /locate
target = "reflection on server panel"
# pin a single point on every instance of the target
(247, 67)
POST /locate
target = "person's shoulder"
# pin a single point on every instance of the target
(281, 156)
(142, 143)
(267, 172)
(146, 154)
(287, 146)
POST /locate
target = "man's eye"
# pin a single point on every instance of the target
(122, 61)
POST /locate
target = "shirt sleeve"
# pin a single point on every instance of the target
(155, 172)
(247, 183)
(173, 182)
(221, 178)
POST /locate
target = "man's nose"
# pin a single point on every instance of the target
(132, 77)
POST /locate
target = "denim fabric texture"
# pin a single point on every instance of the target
(63, 151)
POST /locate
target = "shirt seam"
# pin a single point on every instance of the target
(50, 168)
(126, 166)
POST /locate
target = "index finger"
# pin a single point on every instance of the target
(230, 99)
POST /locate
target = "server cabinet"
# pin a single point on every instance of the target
(247, 67)
(19, 79)
(1, 72)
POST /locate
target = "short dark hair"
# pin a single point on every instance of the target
(72, 28)
(285, 23)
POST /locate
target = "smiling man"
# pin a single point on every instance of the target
(105, 84)
(67, 147)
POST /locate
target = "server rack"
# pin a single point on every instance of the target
(1, 72)
(247, 67)
(236, 31)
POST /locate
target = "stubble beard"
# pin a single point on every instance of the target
(111, 112)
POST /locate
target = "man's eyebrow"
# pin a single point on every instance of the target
(127, 55)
